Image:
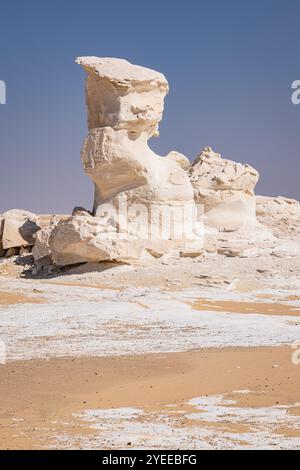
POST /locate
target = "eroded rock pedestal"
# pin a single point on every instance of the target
(125, 104)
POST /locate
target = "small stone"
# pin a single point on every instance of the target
(191, 253)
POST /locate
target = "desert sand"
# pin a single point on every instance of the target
(109, 356)
(63, 402)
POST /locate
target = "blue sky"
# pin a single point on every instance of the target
(230, 65)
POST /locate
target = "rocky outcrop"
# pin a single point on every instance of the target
(84, 238)
(118, 164)
(41, 249)
(224, 191)
(125, 103)
(146, 205)
(22, 232)
(122, 95)
(280, 215)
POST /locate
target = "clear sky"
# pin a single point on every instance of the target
(230, 65)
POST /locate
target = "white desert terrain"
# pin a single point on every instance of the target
(117, 335)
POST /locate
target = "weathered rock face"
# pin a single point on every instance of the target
(180, 159)
(125, 104)
(18, 228)
(41, 249)
(280, 215)
(22, 231)
(225, 189)
(123, 96)
(137, 193)
(83, 238)
(117, 164)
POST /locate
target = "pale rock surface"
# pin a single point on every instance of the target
(122, 95)
(19, 228)
(84, 238)
(117, 164)
(280, 215)
(48, 219)
(224, 190)
(125, 104)
(41, 249)
(180, 159)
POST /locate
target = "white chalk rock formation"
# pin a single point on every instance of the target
(280, 215)
(122, 95)
(125, 103)
(84, 238)
(19, 227)
(224, 191)
(180, 159)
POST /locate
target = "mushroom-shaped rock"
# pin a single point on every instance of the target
(125, 103)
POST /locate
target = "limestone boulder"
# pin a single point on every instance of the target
(41, 249)
(84, 238)
(19, 228)
(224, 191)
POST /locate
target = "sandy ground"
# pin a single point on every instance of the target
(177, 353)
(13, 298)
(44, 402)
(261, 308)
